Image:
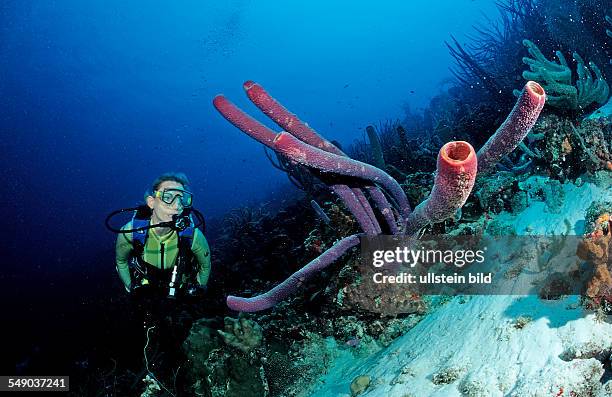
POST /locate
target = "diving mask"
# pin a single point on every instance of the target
(168, 196)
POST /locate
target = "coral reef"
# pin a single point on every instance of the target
(577, 24)
(214, 371)
(487, 66)
(556, 78)
(596, 248)
(501, 193)
(151, 387)
(297, 348)
(402, 155)
(568, 151)
(376, 148)
(257, 241)
(339, 306)
(342, 329)
(291, 284)
(242, 334)
(365, 297)
(456, 173)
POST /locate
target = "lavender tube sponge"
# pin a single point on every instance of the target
(514, 129)
(291, 284)
(310, 156)
(354, 199)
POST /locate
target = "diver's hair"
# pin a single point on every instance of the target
(168, 176)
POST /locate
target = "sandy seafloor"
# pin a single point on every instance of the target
(473, 343)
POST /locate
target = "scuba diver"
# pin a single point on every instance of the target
(163, 261)
(154, 242)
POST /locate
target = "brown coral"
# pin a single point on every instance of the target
(570, 150)
(597, 249)
(360, 294)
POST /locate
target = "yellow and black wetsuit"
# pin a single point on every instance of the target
(161, 252)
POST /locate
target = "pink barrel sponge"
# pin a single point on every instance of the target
(455, 176)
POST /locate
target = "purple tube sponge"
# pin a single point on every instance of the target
(385, 208)
(319, 211)
(514, 129)
(244, 122)
(455, 176)
(310, 156)
(291, 284)
(354, 199)
(285, 119)
(296, 127)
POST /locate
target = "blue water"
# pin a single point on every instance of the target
(97, 98)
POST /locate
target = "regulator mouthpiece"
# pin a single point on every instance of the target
(180, 222)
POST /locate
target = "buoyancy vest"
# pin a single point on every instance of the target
(144, 271)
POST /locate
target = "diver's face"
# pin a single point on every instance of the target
(163, 212)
